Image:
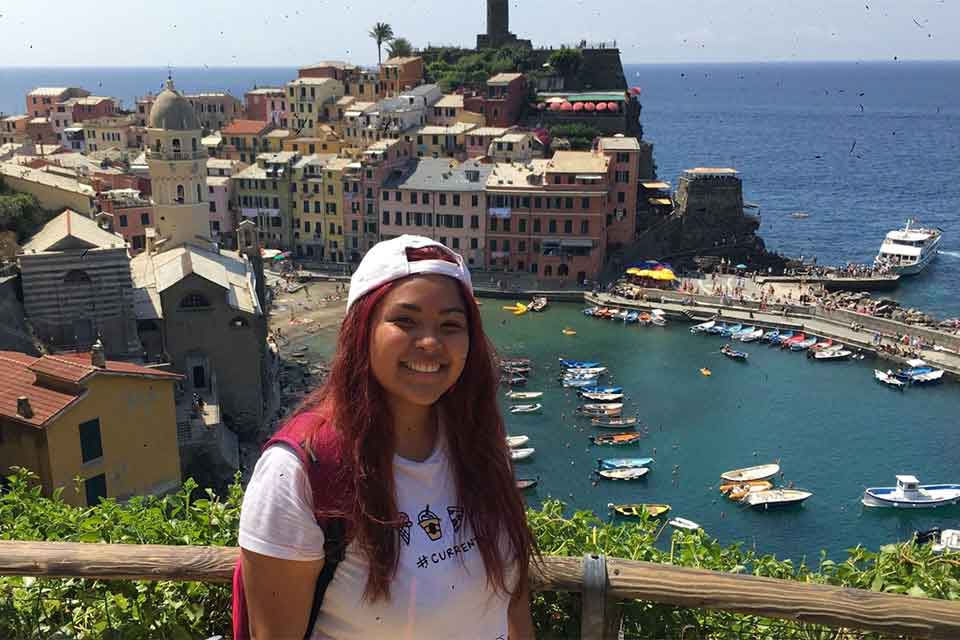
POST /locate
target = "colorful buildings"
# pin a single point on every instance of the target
(111, 424)
(311, 205)
(307, 98)
(264, 195)
(504, 100)
(215, 109)
(54, 191)
(131, 215)
(243, 140)
(267, 104)
(109, 132)
(401, 74)
(42, 100)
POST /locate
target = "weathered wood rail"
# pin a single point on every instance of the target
(601, 581)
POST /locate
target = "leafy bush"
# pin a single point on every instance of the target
(581, 136)
(566, 61)
(452, 69)
(20, 212)
(73, 608)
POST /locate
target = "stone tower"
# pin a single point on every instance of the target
(178, 172)
(498, 27)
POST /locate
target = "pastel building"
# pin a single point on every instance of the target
(450, 109)
(625, 156)
(548, 217)
(243, 140)
(221, 198)
(441, 199)
(362, 186)
(264, 195)
(215, 109)
(503, 101)
(515, 146)
(478, 140)
(399, 74)
(434, 141)
(13, 129)
(131, 215)
(268, 104)
(42, 100)
(357, 82)
(306, 98)
(310, 205)
(110, 132)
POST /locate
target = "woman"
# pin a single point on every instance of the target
(439, 544)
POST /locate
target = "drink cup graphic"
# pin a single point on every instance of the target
(430, 523)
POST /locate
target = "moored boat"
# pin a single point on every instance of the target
(775, 498)
(639, 510)
(795, 338)
(567, 331)
(684, 524)
(580, 372)
(527, 483)
(617, 439)
(910, 494)
(919, 372)
(601, 397)
(833, 354)
(515, 381)
(538, 304)
(526, 408)
(632, 317)
(524, 395)
(887, 378)
(716, 329)
(781, 337)
(758, 472)
(804, 344)
(762, 485)
(521, 454)
(623, 463)
(732, 353)
(631, 473)
(578, 382)
(515, 442)
(908, 251)
(771, 335)
(601, 409)
(614, 422)
(750, 336)
(578, 364)
(740, 491)
(731, 329)
(602, 390)
(703, 327)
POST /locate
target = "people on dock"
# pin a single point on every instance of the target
(402, 454)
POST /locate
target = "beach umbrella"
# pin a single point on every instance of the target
(633, 271)
(566, 106)
(601, 106)
(578, 106)
(556, 99)
(612, 106)
(635, 91)
(541, 105)
(555, 106)
(741, 266)
(589, 106)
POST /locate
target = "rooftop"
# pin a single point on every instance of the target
(245, 128)
(515, 174)
(221, 163)
(440, 174)
(19, 377)
(518, 136)
(450, 101)
(421, 90)
(48, 91)
(312, 81)
(45, 178)
(398, 60)
(315, 160)
(279, 133)
(218, 181)
(503, 78)
(266, 91)
(578, 162)
(71, 224)
(457, 128)
(620, 144)
(279, 157)
(493, 132)
(334, 64)
(711, 172)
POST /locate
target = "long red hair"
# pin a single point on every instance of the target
(353, 403)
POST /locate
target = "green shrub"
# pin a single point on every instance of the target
(74, 608)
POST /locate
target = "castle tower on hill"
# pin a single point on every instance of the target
(498, 27)
(178, 171)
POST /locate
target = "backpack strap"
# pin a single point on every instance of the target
(322, 464)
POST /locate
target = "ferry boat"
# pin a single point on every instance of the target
(909, 250)
(909, 493)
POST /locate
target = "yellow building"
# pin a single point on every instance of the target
(110, 132)
(309, 203)
(326, 141)
(333, 178)
(275, 141)
(111, 424)
(308, 98)
(434, 141)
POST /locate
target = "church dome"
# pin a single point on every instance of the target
(173, 112)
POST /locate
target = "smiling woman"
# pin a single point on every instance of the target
(403, 447)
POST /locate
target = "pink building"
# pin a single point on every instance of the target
(441, 199)
(548, 217)
(505, 98)
(42, 100)
(268, 104)
(624, 155)
(221, 199)
(361, 193)
(479, 139)
(131, 215)
(66, 117)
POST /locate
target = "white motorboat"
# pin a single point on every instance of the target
(750, 336)
(521, 454)
(683, 523)
(601, 397)
(524, 395)
(517, 441)
(910, 494)
(949, 541)
(703, 327)
(584, 372)
(775, 498)
(628, 473)
(658, 317)
(526, 408)
(832, 354)
(908, 251)
(918, 372)
(887, 378)
(759, 472)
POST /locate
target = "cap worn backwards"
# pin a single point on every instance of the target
(387, 261)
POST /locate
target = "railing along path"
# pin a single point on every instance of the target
(601, 581)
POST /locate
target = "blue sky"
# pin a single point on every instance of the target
(291, 32)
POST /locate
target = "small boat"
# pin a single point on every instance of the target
(887, 378)
(759, 472)
(538, 304)
(781, 337)
(762, 485)
(590, 311)
(740, 491)
(632, 317)
(614, 422)
(567, 331)
(658, 317)
(602, 390)
(639, 510)
(684, 524)
(617, 439)
(526, 408)
(524, 395)
(823, 344)
(591, 378)
(771, 335)
(623, 463)
(632, 473)
(579, 382)
(730, 352)
(601, 408)
(919, 372)
(804, 344)
(731, 329)
(517, 441)
(705, 372)
(573, 372)
(788, 342)
(521, 309)
(521, 454)
(750, 336)
(578, 364)
(745, 330)
(644, 318)
(513, 307)
(800, 215)
(622, 316)
(515, 361)
(833, 354)
(910, 494)
(520, 370)
(703, 327)
(717, 328)
(775, 498)
(527, 483)
(601, 397)
(515, 381)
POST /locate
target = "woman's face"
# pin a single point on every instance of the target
(420, 340)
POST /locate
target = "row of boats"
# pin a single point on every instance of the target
(656, 317)
(519, 308)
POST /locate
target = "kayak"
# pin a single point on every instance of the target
(639, 510)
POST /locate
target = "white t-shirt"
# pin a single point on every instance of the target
(440, 588)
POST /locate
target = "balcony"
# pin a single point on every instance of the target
(175, 156)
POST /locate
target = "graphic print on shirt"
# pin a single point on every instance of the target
(404, 528)
(456, 517)
(430, 523)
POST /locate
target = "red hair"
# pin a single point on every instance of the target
(353, 403)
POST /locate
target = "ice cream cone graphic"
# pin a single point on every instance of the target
(404, 528)
(430, 523)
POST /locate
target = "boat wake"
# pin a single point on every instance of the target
(952, 254)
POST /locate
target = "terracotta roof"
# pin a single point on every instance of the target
(244, 127)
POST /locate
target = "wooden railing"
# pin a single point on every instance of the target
(601, 581)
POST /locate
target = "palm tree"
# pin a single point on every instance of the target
(400, 47)
(381, 32)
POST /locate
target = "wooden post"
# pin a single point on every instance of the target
(593, 614)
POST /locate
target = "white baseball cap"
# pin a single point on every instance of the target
(387, 261)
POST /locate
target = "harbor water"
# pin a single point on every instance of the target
(833, 428)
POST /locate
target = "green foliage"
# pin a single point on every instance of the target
(381, 32)
(453, 68)
(399, 47)
(72, 608)
(20, 212)
(581, 136)
(566, 61)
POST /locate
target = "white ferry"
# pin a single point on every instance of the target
(909, 250)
